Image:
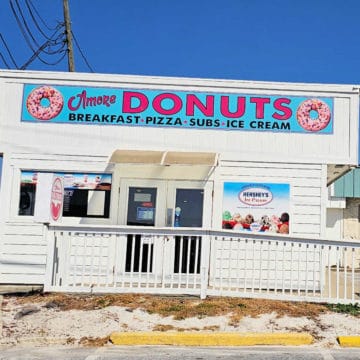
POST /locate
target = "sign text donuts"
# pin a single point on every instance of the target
(176, 109)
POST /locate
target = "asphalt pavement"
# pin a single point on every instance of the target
(179, 353)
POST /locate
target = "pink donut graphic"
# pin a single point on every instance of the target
(36, 107)
(306, 121)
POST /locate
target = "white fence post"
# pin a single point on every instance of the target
(204, 265)
(49, 237)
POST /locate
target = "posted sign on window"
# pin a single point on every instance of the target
(256, 207)
(49, 198)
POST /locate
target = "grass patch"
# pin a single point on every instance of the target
(181, 307)
(351, 309)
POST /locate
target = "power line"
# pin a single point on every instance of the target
(25, 23)
(32, 9)
(24, 34)
(8, 50)
(35, 55)
(51, 42)
(27, 34)
(32, 26)
(81, 53)
(4, 61)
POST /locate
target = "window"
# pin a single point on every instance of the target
(85, 194)
(27, 192)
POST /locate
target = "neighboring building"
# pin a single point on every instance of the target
(346, 193)
(166, 153)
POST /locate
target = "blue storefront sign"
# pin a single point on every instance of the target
(176, 109)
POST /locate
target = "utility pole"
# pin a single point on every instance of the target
(68, 36)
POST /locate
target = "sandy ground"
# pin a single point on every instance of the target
(42, 323)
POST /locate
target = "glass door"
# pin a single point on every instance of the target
(164, 203)
(141, 204)
(186, 201)
(189, 205)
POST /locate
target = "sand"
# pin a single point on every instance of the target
(41, 324)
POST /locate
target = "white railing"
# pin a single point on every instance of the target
(127, 260)
(285, 268)
(201, 262)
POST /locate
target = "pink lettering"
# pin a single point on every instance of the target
(286, 111)
(157, 104)
(240, 108)
(71, 105)
(192, 101)
(260, 106)
(128, 106)
(83, 100)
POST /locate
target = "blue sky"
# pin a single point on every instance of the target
(270, 40)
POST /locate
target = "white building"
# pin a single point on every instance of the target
(163, 155)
